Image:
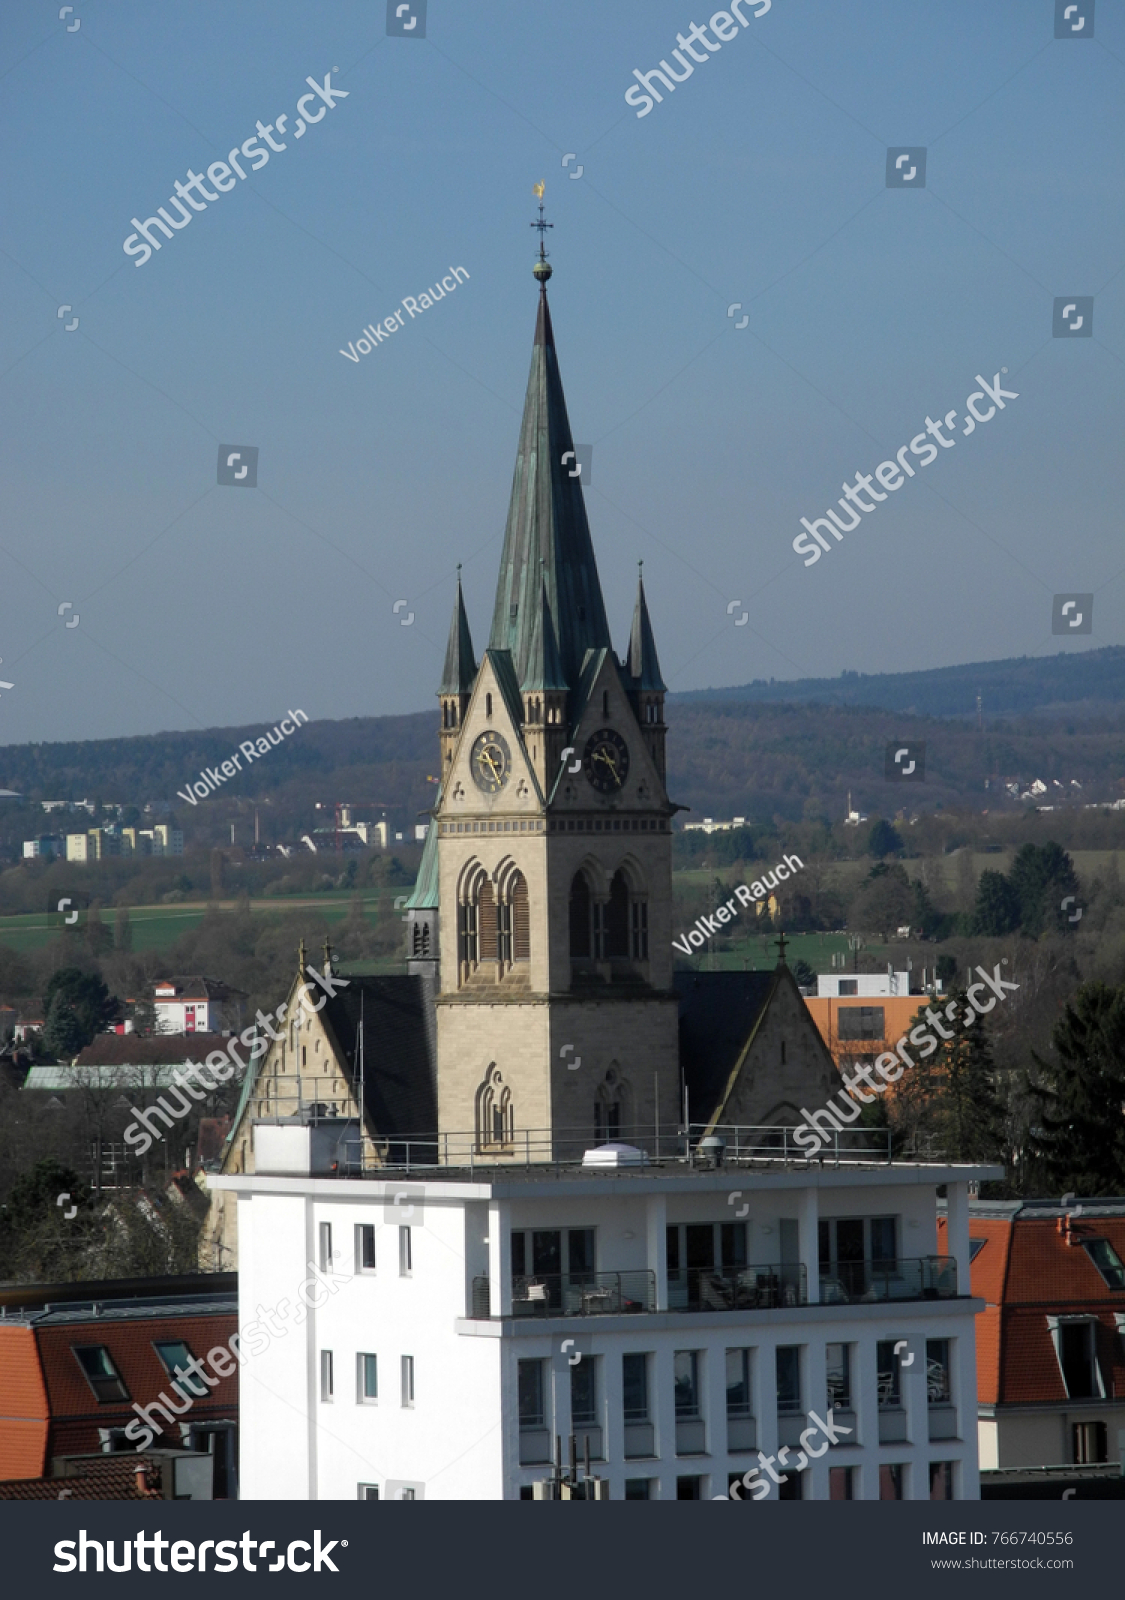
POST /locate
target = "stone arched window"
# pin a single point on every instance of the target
(580, 917)
(617, 920)
(612, 1107)
(495, 1116)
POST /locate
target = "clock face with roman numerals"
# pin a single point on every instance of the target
(606, 761)
(491, 762)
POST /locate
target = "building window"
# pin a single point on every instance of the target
(174, 1358)
(367, 1379)
(689, 1488)
(634, 1385)
(639, 1489)
(841, 1483)
(838, 1378)
(326, 1376)
(467, 942)
(101, 1374)
(1089, 1443)
(495, 1114)
(638, 912)
(686, 1373)
(584, 1393)
(324, 1241)
(521, 918)
(939, 1390)
(365, 1247)
(860, 1023)
(532, 1394)
(738, 1383)
(617, 920)
(792, 1486)
(854, 1251)
(369, 1491)
(941, 1480)
(788, 1378)
(552, 1260)
(600, 910)
(890, 1480)
(405, 1253)
(1107, 1261)
(1074, 1344)
(579, 917)
(408, 1380)
(888, 1374)
(848, 986)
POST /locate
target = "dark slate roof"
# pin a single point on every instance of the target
(544, 669)
(718, 1011)
(547, 530)
(158, 1049)
(424, 895)
(399, 1050)
(642, 666)
(460, 664)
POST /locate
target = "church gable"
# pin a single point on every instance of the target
(752, 1055)
(492, 775)
(604, 707)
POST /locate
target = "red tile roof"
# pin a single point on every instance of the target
(1026, 1271)
(125, 1476)
(141, 1050)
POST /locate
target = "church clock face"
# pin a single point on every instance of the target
(606, 761)
(491, 762)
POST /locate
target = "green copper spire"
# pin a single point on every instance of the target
(642, 666)
(547, 532)
(544, 669)
(460, 664)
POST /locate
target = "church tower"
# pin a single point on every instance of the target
(557, 1024)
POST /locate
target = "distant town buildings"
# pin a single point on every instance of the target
(709, 825)
(97, 843)
(192, 1004)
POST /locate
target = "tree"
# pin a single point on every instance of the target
(804, 974)
(946, 969)
(997, 909)
(64, 1033)
(88, 997)
(1080, 1140)
(883, 840)
(37, 1240)
(970, 1122)
(1042, 876)
(884, 902)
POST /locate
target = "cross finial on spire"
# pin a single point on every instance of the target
(542, 268)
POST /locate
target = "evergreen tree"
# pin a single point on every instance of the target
(63, 1032)
(1080, 1140)
(884, 839)
(88, 997)
(997, 911)
(1042, 876)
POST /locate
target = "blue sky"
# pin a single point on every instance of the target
(761, 180)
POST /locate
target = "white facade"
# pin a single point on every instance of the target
(458, 1434)
(77, 847)
(180, 1012)
(863, 985)
(49, 845)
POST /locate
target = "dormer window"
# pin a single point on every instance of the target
(1107, 1261)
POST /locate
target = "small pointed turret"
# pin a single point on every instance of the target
(642, 664)
(457, 679)
(460, 663)
(544, 669)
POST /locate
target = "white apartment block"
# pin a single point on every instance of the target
(676, 1321)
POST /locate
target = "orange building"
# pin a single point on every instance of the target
(857, 1029)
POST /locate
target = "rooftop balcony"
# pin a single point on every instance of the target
(772, 1286)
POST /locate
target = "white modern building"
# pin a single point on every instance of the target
(433, 1339)
(864, 985)
(191, 1005)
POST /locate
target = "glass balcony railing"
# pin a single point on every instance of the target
(863, 1282)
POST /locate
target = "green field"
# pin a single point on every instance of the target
(156, 927)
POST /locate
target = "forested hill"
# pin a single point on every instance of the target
(1088, 682)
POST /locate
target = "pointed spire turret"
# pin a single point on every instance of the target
(544, 669)
(460, 664)
(642, 665)
(547, 539)
(457, 679)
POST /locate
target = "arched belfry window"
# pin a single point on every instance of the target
(617, 920)
(495, 1116)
